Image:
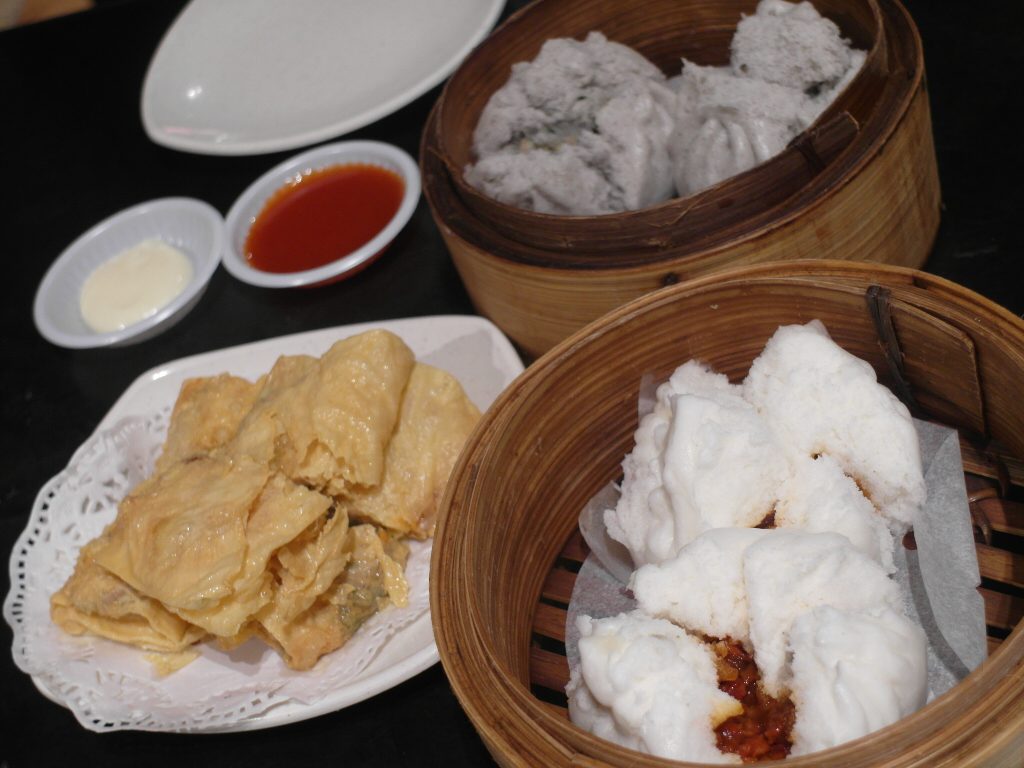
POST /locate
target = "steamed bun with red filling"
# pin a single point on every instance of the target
(761, 520)
(648, 685)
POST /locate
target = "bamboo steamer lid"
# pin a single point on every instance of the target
(560, 431)
(861, 184)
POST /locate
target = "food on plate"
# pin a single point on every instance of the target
(761, 519)
(132, 285)
(278, 509)
(591, 127)
(434, 420)
(206, 414)
(94, 601)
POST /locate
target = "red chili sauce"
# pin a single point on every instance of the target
(323, 216)
(762, 732)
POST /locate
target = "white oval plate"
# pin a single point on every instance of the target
(469, 347)
(241, 77)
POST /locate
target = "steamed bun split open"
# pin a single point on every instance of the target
(649, 685)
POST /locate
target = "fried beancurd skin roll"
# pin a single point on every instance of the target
(95, 602)
(206, 415)
(435, 420)
(328, 423)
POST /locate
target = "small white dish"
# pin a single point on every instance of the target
(243, 77)
(248, 206)
(192, 226)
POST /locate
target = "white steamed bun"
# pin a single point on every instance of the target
(853, 673)
(792, 572)
(701, 461)
(820, 399)
(646, 684)
(701, 588)
(818, 497)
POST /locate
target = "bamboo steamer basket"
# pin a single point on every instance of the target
(506, 543)
(860, 184)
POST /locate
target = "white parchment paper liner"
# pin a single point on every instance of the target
(939, 579)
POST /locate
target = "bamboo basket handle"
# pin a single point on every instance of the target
(880, 308)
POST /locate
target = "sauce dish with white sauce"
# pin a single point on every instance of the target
(145, 301)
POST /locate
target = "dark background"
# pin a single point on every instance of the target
(73, 151)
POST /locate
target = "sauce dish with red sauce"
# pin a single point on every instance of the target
(322, 215)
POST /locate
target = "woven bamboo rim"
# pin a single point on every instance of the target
(559, 433)
(869, 204)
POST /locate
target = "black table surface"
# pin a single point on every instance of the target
(73, 151)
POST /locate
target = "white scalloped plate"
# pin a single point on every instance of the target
(242, 77)
(470, 347)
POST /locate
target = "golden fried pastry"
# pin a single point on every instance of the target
(94, 601)
(435, 420)
(331, 426)
(206, 415)
(306, 567)
(179, 536)
(282, 511)
(373, 578)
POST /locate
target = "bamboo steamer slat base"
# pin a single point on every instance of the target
(559, 433)
(879, 202)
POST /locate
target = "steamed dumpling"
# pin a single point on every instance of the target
(788, 64)
(790, 44)
(727, 124)
(582, 129)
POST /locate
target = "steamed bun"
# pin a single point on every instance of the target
(582, 129)
(702, 588)
(820, 399)
(647, 685)
(792, 572)
(812, 447)
(818, 497)
(703, 459)
(853, 672)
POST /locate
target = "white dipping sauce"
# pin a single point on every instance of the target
(133, 285)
